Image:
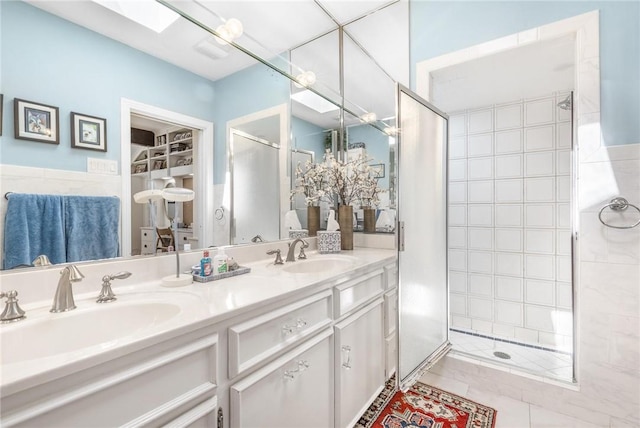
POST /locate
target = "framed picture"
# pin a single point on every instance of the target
(36, 122)
(378, 170)
(88, 132)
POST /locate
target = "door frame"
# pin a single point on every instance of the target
(443, 349)
(203, 163)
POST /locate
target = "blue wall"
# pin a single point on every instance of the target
(377, 146)
(247, 91)
(50, 60)
(439, 27)
(307, 136)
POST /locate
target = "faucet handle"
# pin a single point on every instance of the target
(107, 295)
(12, 312)
(278, 260)
(303, 245)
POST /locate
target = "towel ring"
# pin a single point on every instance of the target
(619, 204)
(219, 213)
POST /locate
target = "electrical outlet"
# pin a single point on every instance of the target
(102, 166)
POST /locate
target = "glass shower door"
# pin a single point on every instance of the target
(422, 257)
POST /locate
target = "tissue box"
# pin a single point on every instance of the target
(298, 233)
(328, 242)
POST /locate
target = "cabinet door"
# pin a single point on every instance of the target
(295, 391)
(359, 363)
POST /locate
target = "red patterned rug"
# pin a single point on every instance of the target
(424, 406)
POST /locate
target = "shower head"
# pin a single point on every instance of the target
(566, 103)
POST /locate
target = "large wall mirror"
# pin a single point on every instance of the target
(207, 109)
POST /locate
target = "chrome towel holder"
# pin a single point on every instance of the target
(619, 204)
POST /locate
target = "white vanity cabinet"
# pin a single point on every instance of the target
(359, 354)
(171, 381)
(295, 391)
(391, 319)
(334, 373)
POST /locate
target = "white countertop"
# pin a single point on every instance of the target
(203, 304)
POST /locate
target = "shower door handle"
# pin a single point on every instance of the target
(401, 236)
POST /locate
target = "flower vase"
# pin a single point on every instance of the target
(369, 220)
(345, 219)
(313, 220)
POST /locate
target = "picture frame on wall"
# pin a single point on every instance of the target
(378, 170)
(36, 122)
(88, 132)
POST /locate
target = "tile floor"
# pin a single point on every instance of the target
(511, 413)
(538, 362)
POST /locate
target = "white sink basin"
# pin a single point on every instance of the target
(321, 263)
(89, 326)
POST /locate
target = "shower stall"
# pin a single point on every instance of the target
(510, 234)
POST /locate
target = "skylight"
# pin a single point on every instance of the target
(149, 13)
(314, 101)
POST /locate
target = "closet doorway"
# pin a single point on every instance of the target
(177, 150)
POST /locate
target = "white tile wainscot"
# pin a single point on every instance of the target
(251, 334)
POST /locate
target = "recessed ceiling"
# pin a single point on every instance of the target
(530, 71)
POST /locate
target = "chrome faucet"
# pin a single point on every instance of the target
(63, 300)
(292, 250)
(12, 311)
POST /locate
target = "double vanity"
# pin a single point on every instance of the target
(308, 343)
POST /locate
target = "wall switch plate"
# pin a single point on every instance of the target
(102, 166)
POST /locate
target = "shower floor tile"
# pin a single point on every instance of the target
(539, 362)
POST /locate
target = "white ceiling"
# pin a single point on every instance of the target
(271, 28)
(525, 72)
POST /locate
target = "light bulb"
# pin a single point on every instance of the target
(391, 130)
(305, 79)
(369, 117)
(224, 37)
(235, 28)
(311, 78)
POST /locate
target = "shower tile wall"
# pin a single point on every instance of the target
(509, 221)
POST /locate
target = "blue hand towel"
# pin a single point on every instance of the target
(34, 225)
(92, 224)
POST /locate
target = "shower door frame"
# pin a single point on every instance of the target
(443, 348)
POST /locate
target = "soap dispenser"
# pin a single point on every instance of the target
(220, 261)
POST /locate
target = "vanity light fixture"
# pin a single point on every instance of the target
(368, 117)
(391, 131)
(229, 31)
(305, 79)
(149, 13)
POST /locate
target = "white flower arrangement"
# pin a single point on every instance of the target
(350, 181)
(312, 182)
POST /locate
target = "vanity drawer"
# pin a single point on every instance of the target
(356, 292)
(391, 276)
(257, 339)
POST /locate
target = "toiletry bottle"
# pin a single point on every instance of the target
(205, 265)
(220, 261)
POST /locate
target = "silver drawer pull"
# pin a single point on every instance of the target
(291, 374)
(290, 329)
(347, 349)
